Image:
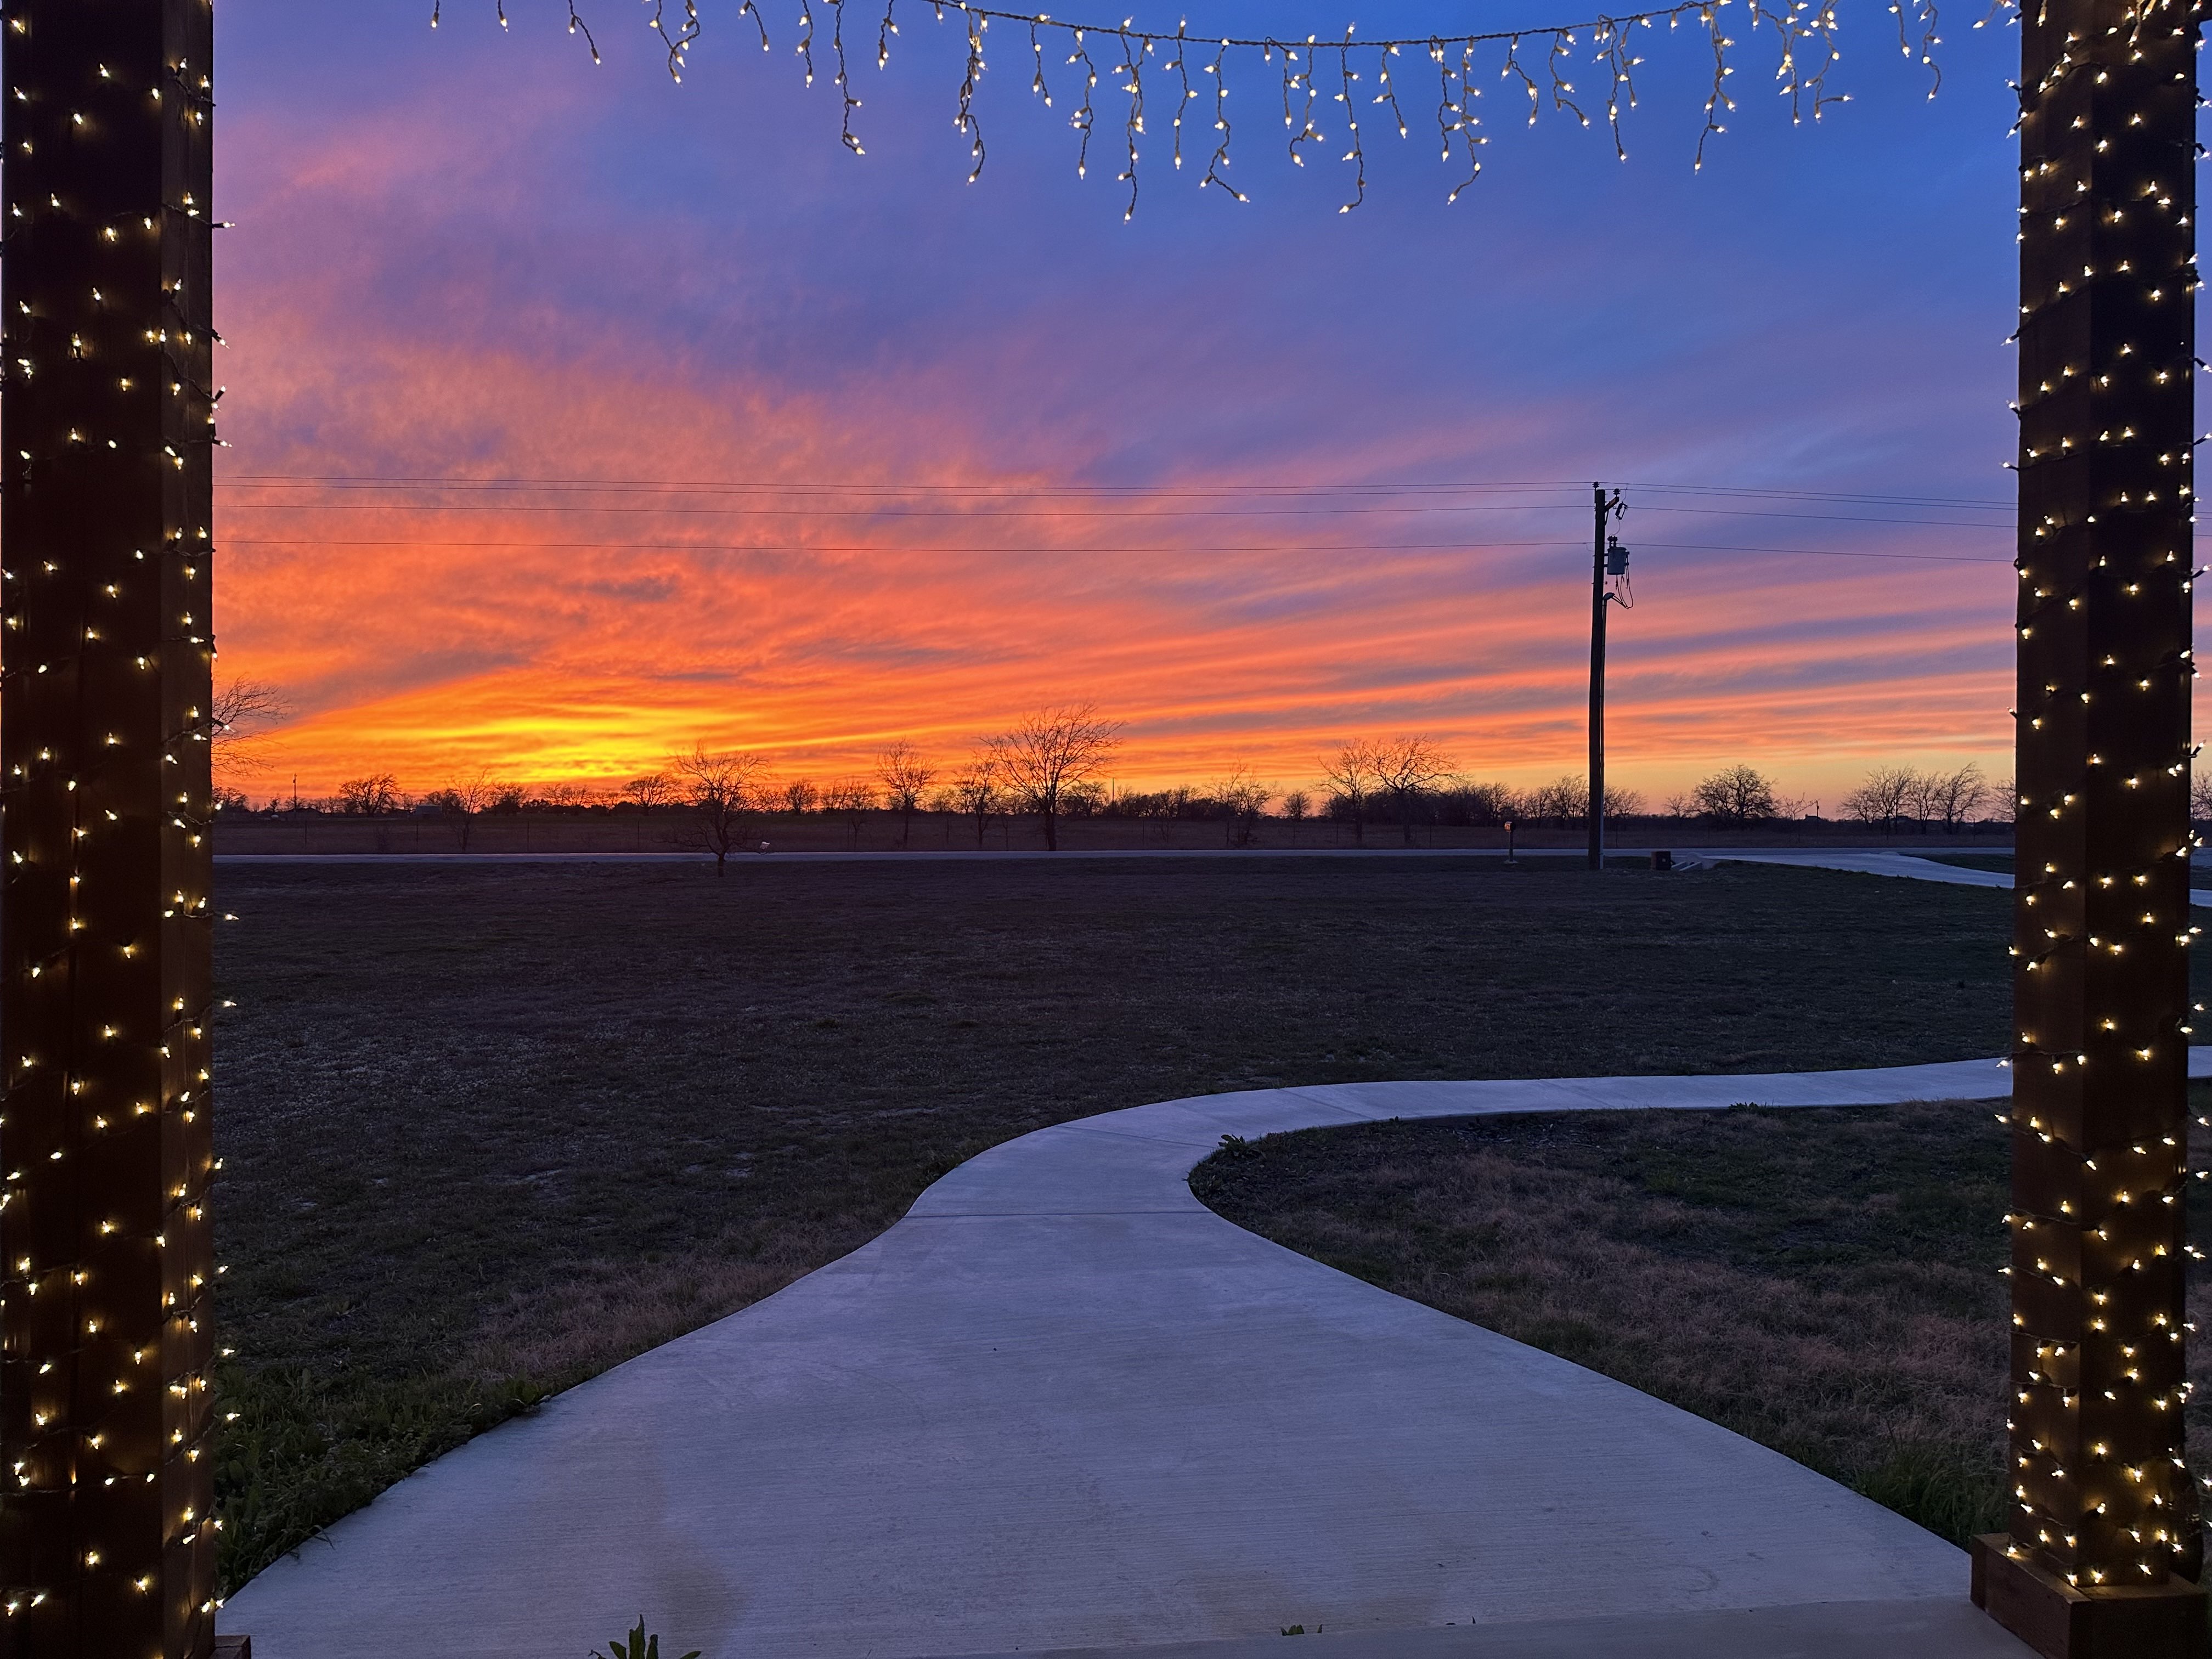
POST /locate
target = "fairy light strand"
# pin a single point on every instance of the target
(2102, 1495)
(107, 1266)
(1341, 73)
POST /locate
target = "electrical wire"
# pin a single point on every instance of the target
(1066, 498)
(1046, 552)
(338, 481)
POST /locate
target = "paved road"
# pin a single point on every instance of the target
(1061, 1404)
(1864, 862)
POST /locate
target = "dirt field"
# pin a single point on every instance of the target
(669, 829)
(490, 1128)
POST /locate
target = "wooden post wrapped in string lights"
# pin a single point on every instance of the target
(108, 1542)
(2103, 1548)
(107, 1538)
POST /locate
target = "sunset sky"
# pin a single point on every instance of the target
(577, 416)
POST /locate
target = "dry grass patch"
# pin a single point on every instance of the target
(1824, 1282)
(606, 1311)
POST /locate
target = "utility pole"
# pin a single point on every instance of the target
(2101, 1550)
(1604, 508)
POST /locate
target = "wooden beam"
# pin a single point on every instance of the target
(108, 1542)
(2101, 1552)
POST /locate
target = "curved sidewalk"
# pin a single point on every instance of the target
(1063, 1405)
(1862, 861)
(1876, 863)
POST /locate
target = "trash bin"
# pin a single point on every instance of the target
(1662, 861)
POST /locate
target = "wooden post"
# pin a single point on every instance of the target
(2101, 1553)
(107, 431)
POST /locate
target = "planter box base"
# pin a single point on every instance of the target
(2158, 1621)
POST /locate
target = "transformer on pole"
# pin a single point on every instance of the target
(1608, 559)
(108, 1542)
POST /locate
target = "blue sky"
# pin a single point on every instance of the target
(471, 253)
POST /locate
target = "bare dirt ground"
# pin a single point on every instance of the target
(671, 830)
(490, 1128)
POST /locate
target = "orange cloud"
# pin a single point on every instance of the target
(565, 635)
(555, 635)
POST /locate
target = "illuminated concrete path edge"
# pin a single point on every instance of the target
(1063, 1406)
(1862, 861)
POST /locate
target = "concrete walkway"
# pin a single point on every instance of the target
(1861, 862)
(1061, 1404)
(1906, 865)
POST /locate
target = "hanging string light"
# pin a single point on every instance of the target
(1315, 73)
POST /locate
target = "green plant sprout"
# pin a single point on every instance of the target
(639, 1646)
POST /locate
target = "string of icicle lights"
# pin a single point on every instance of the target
(1173, 72)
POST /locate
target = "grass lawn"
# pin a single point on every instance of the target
(2000, 862)
(1825, 1282)
(488, 1130)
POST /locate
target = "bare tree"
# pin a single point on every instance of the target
(239, 720)
(1051, 755)
(906, 777)
(2200, 797)
(1952, 798)
(1350, 771)
(800, 797)
(651, 789)
(722, 787)
(1736, 795)
(1563, 800)
(1409, 768)
(1242, 797)
(370, 797)
(1883, 797)
(464, 800)
(1915, 806)
(978, 789)
(241, 704)
(1296, 806)
(853, 798)
(1797, 806)
(1488, 803)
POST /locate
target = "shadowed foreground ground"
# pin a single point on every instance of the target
(488, 1130)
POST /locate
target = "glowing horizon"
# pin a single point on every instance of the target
(479, 262)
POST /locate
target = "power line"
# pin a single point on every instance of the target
(261, 481)
(864, 512)
(1829, 553)
(1046, 552)
(340, 481)
(510, 509)
(1981, 501)
(1829, 517)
